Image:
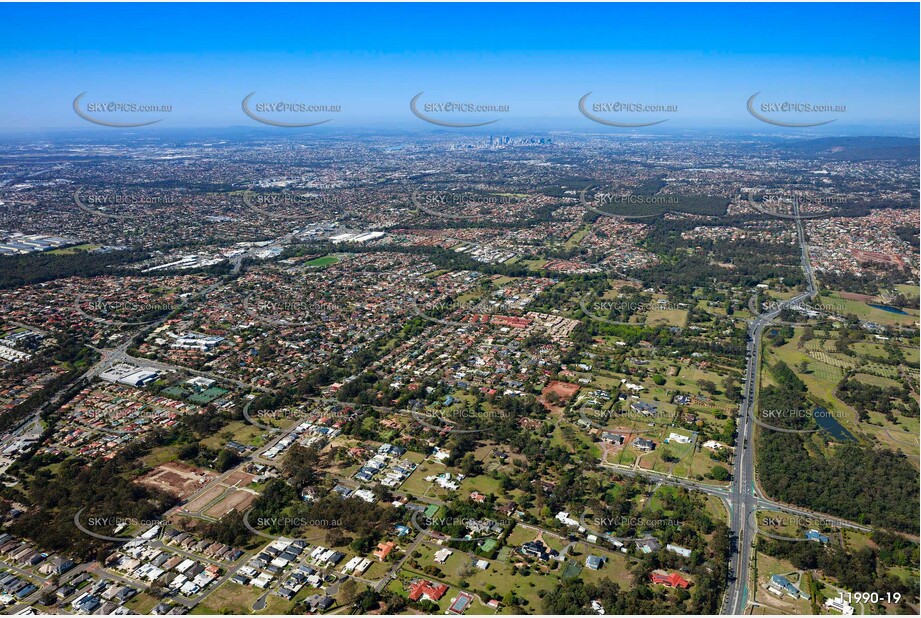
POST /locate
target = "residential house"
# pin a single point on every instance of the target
(429, 591)
(643, 444)
(665, 578)
(594, 562)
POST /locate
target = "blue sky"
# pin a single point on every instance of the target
(538, 59)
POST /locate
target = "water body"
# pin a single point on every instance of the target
(831, 425)
(889, 309)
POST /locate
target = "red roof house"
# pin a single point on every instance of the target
(669, 579)
(430, 591)
(383, 550)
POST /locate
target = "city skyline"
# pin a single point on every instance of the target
(460, 309)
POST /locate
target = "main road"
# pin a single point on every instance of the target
(743, 493)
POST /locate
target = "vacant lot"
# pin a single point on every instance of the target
(237, 500)
(204, 499)
(178, 479)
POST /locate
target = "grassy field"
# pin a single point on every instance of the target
(768, 566)
(823, 373)
(616, 566)
(483, 484)
(717, 509)
(418, 486)
(865, 348)
(876, 380)
(142, 603)
(781, 524)
(820, 387)
(74, 249)
(521, 535)
(671, 317)
(683, 452)
(322, 261)
(575, 239)
(535, 264)
(903, 436)
(493, 582)
(856, 540)
(778, 295)
(702, 465)
(866, 312)
(241, 431)
(235, 599)
(161, 455)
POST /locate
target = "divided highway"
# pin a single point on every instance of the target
(743, 493)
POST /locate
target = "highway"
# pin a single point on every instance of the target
(723, 493)
(741, 496)
(744, 498)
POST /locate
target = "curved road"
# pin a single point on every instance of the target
(744, 498)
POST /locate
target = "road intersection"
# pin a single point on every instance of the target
(744, 497)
